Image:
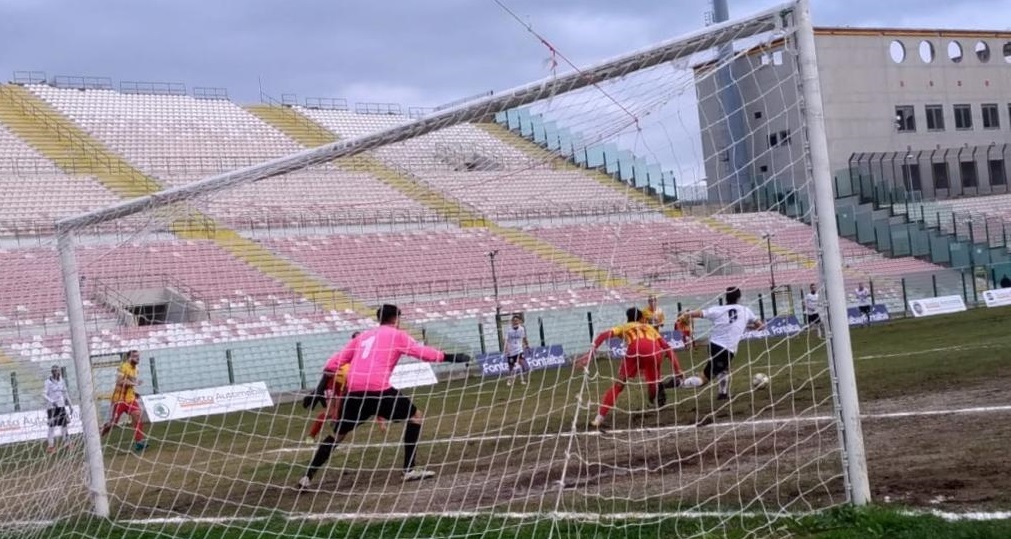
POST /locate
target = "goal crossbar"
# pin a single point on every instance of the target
(670, 50)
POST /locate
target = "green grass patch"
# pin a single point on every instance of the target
(841, 523)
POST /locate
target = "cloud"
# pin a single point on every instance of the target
(412, 53)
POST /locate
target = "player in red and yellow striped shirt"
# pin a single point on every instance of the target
(686, 326)
(644, 354)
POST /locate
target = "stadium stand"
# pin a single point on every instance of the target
(405, 264)
(470, 165)
(178, 139)
(34, 191)
(662, 249)
(185, 265)
(988, 216)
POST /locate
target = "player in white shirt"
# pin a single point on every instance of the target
(516, 346)
(864, 302)
(730, 321)
(58, 408)
(811, 317)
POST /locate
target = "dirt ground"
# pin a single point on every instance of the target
(958, 462)
(952, 461)
(647, 462)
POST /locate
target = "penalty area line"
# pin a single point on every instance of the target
(671, 428)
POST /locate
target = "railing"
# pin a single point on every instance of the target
(29, 77)
(152, 88)
(82, 83)
(210, 92)
(326, 103)
(392, 109)
(415, 113)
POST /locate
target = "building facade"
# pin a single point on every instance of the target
(926, 112)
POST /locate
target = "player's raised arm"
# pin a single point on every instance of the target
(601, 339)
(410, 347)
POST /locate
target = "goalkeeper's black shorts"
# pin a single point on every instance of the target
(58, 417)
(360, 406)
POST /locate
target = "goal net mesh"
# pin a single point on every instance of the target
(674, 178)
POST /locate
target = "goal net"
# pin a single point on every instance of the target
(525, 223)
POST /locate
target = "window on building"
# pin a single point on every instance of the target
(991, 118)
(779, 138)
(905, 119)
(935, 117)
(963, 117)
(758, 115)
(911, 176)
(940, 172)
(967, 170)
(998, 174)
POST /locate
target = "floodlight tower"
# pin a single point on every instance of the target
(733, 156)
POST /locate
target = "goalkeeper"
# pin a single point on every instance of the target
(328, 392)
(372, 355)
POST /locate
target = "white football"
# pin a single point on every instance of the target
(759, 381)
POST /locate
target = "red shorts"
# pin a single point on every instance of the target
(120, 408)
(642, 357)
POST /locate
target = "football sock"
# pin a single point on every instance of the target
(322, 455)
(317, 424)
(138, 431)
(609, 397)
(723, 381)
(411, 434)
(51, 436)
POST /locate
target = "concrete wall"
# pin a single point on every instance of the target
(861, 86)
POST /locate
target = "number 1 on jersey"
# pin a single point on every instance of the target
(367, 346)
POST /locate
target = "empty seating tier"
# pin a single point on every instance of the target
(415, 266)
(31, 288)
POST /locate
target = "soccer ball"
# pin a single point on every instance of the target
(759, 381)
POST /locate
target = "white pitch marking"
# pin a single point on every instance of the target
(585, 517)
(674, 428)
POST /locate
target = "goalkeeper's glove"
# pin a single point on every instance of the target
(457, 358)
(318, 395)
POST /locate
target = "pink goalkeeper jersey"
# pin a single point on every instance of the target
(374, 353)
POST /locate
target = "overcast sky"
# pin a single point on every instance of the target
(413, 52)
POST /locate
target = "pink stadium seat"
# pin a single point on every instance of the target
(377, 267)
